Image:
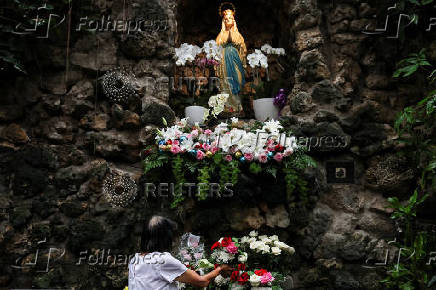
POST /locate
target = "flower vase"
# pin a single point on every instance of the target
(195, 114)
(265, 109)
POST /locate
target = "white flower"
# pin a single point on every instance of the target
(221, 281)
(272, 126)
(274, 238)
(266, 48)
(262, 237)
(257, 59)
(206, 114)
(265, 249)
(253, 234)
(234, 120)
(255, 280)
(290, 250)
(242, 258)
(212, 50)
(275, 251)
(251, 240)
(204, 264)
(186, 53)
(244, 240)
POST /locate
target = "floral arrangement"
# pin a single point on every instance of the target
(221, 152)
(231, 142)
(239, 253)
(268, 49)
(186, 53)
(257, 59)
(191, 251)
(212, 50)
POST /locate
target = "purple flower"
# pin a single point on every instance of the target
(280, 99)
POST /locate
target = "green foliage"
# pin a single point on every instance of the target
(416, 128)
(179, 176)
(203, 181)
(255, 168)
(227, 172)
(407, 211)
(295, 182)
(154, 161)
(411, 64)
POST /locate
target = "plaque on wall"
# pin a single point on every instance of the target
(340, 171)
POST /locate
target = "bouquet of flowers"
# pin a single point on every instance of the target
(240, 253)
(190, 250)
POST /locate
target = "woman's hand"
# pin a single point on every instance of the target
(226, 270)
(225, 267)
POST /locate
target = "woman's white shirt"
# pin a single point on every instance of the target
(154, 271)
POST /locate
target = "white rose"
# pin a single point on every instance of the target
(242, 258)
(244, 240)
(274, 238)
(276, 251)
(263, 237)
(251, 240)
(253, 234)
(254, 280)
(290, 250)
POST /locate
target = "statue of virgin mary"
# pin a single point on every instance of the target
(231, 69)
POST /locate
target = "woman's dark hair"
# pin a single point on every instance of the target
(157, 235)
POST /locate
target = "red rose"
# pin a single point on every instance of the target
(241, 267)
(234, 276)
(260, 272)
(279, 148)
(169, 142)
(216, 245)
(243, 278)
(226, 242)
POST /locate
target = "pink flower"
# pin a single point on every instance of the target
(194, 133)
(278, 157)
(175, 149)
(266, 278)
(214, 150)
(187, 257)
(263, 158)
(228, 157)
(200, 155)
(189, 136)
(288, 152)
(232, 249)
(176, 142)
(206, 147)
(207, 132)
(249, 156)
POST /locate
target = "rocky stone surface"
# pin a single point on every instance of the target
(60, 136)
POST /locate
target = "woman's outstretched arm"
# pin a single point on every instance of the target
(192, 278)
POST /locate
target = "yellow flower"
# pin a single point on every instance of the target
(126, 288)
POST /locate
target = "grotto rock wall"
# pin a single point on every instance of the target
(61, 137)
